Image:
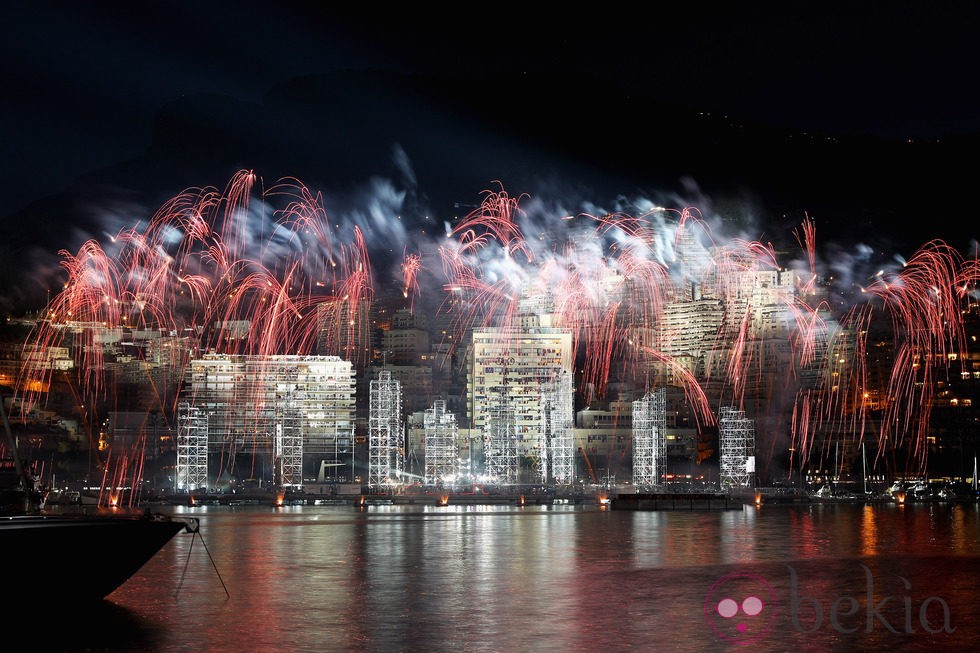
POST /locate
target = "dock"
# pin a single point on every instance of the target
(699, 501)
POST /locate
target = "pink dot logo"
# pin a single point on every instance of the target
(740, 608)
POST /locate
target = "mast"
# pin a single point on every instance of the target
(864, 467)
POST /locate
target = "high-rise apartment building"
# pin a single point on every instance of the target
(525, 374)
(273, 418)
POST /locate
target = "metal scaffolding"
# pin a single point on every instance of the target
(288, 444)
(558, 445)
(736, 442)
(441, 446)
(268, 417)
(500, 442)
(192, 448)
(385, 442)
(650, 438)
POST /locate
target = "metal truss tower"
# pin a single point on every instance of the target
(288, 440)
(441, 446)
(385, 431)
(192, 448)
(558, 445)
(500, 443)
(650, 439)
(736, 442)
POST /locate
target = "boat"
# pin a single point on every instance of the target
(921, 491)
(825, 492)
(79, 557)
(897, 486)
(75, 557)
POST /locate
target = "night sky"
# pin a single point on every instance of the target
(863, 116)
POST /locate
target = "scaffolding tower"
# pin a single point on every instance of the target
(384, 431)
(441, 446)
(736, 442)
(192, 448)
(650, 439)
(500, 443)
(558, 445)
(288, 443)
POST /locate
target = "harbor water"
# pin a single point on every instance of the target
(563, 578)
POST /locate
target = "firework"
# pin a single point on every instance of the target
(656, 298)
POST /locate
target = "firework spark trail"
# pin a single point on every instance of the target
(800, 428)
(846, 378)
(411, 267)
(592, 321)
(808, 242)
(233, 223)
(304, 224)
(589, 319)
(215, 263)
(357, 291)
(203, 281)
(748, 360)
(924, 303)
(837, 352)
(207, 262)
(838, 405)
(581, 305)
(495, 221)
(693, 391)
(478, 294)
(809, 324)
(607, 299)
(109, 288)
(738, 272)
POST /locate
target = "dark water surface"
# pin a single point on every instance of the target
(819, 577)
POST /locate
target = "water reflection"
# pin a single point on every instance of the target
(869, 532)
(550, 578)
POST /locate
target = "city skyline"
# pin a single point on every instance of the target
(258, 204)
(659, 298)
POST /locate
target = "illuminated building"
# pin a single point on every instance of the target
(519, 396)
(603, 441)
(266, 418)
(407, 339)
(415, 381)
(344, 330)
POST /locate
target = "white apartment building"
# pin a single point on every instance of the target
(272, 415)
(526, 375)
